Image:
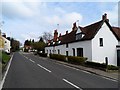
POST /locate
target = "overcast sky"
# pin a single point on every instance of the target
(25, 19)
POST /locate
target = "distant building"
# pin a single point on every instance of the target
(98, 42)
(4, 43)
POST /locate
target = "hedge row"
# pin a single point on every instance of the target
(82, 61)
(96, 65)
(58, 57)
(111, 67)
(70, 59)
(43, 54)
(76, 60)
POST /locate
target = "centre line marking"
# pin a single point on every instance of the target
(72, 84)
(43, 68)
(32, 61)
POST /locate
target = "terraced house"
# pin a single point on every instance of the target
(99, 42)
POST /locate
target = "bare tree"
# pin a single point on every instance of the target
(47, 36)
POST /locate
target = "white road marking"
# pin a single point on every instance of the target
(109, 79)
(72, 84)
(32, 61)
(86, 72)
(3, 80)
(43, 68)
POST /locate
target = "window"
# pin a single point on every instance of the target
(67, 45)
(79, 36)
(66, 53)
(58, 51)
(73, 52)
(101, 41)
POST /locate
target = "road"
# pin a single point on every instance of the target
(30, 71)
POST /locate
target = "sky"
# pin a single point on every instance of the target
(29, 19)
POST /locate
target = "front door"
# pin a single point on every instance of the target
(118, 57)
(80, 52)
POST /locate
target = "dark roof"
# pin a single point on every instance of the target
(116, 31)
(89, 32)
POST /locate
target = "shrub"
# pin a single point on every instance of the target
(96, 65)
(76, 60)
(58, 57)
(43, 54)
(5, 58)
(111, 67)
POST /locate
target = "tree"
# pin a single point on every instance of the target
(39, 46)
(15, 45)
(41, 39)
(47, 36)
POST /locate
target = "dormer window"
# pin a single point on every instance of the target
(78, 31)
(79, 36)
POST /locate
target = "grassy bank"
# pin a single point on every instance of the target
(5, 59)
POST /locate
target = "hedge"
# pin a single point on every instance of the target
(58, 57)
(5, 58)
(76, 60)
(43, 54)
(97, 65)
(111, 67)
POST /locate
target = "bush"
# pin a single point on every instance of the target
(58, 57)
(43, 54)
(111, 67)
(5, 58)
(96, 65)
(76, 60)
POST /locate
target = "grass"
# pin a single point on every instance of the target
(4, 59)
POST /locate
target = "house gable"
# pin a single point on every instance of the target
(108, 47)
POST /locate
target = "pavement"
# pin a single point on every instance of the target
(108, 74)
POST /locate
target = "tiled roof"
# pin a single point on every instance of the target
(89, 32)
(116, 31)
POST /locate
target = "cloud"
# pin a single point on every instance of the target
(112, 15)
(65, 19)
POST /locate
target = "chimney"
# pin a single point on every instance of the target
(104, 17)
(60, 35)
(55, 34)
(66, 32)
(74, 27)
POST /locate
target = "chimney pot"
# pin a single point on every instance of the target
(104, 17)
(66, 32)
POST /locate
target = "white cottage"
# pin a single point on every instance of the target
(6, 44)
(98, 42)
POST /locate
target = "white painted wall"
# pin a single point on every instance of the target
(108, 49)
(6, 45)
(87, 48)
(86, 45)
(119, 42)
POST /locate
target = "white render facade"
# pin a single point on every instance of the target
(6, 45)
(103, 46)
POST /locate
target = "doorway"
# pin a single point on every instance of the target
(80, 52)
(118, 57)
